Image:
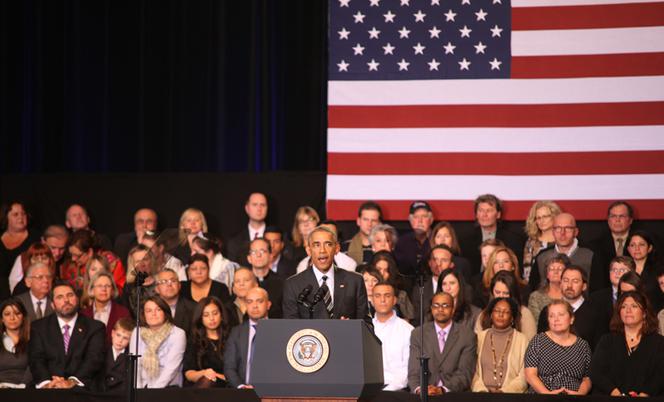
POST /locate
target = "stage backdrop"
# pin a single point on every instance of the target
(528, 100)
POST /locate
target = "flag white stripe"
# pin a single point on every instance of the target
(439, 187)
(587, 41)
(558, 139)
(497, 91)
(562, 3)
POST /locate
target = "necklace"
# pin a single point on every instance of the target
(498, 366)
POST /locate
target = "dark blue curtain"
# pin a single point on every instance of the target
(162, 85)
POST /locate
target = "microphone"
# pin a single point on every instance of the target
(302, 297)
(320, 294)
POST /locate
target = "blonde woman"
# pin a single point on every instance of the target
(306, 219)
(539, 229)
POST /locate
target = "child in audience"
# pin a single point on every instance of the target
(116, 358)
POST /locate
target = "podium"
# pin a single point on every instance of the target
(316, 359)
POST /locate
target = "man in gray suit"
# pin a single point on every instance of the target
(238, 355)
(451, 349)
(39, 280)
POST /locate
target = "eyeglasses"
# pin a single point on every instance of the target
(542, 217)
(619, 270)
(260, 251)
(616, 217)
(167, 281)
(41, 277)
(564, 228)
(103, 286)
(438, 306)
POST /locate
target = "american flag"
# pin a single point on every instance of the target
(444, 100)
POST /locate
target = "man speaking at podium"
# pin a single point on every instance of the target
(330, 291)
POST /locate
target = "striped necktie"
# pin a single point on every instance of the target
(66, 337)
(327, 298)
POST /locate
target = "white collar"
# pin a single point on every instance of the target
(71, 323)
(571, 250)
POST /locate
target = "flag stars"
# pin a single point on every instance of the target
(405, 3)
(433, 65)
(373, 65)
(449, 15)
(344, 3)
(389, 17)
(435, 32)
(358, 49)
(403, 65)
(388, 49)
(497, 2)
(343, 34)
(464, 64)
(419, 49)
(374, 3)
(495, 64)
(373, 33)
(465, 32)
(343, 66)
(359, 18)
(435, 2)
(419, 16)
(495, 31)
(449, 48)
(479, 48)
(403, 33)
(481, 15)
(465, 2)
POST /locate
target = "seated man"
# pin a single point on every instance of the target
(39, 280)
(66, 349)
(394, 333)
(145, 220)
(256, 209)
(280, 263)
(238, 353)
(77, 218)
(451, 349)
(259, 258)
(358, 247)
(413, 247)
(440, 259)
(168, 288)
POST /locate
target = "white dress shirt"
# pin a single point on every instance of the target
(395, 336)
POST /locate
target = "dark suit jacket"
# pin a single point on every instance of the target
(235, 354)
(115, 371)
(117, 311)
(586, 324)
(471, 243)
(27, 303)
(350, 296)
(85, 358)
(286, 267)
(455, 366)
(184, 312)
(274, 285)
(238, 247)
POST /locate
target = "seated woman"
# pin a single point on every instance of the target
(642, 248)
(140, 267)
(552, 290)
(102, 292)
(161, 345)
(192, 224)
(443, 233)
(371, 278)
(157, 245)
(628, 361)
(501, 259)
(200, 285)
(306, 219)
(557, 361)
(16, 237)
(505, 284)
(500, 350)
(383, 237)
(451, 282)
(15, 331)
(385, 263)
(95, 264)
(221, 268)
(204, 357)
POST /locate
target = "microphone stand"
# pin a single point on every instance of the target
(132, 362)
(424, 361)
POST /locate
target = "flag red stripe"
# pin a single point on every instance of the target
(558, 115)
(588, 17)
(394, 210)
(555, 163)
(601, 65)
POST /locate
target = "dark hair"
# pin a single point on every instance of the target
(199, 333)
(125, 323)
(440, 247)
(584, 275)
(82, 240)
(384, 283)
(59, 283)
(370, 206)
(652, 257)
(461, 306)
(630, 210)
(510, 280)
(650, 323)
(625, 260)
(488, 199)
(514, 309)
(210, 244)
(274, 229)
(199, 257)
(631, 278)
(392, 268)
(371, 270)
(161, 304)
(456, 249)
(4, 213)
(267, 243)
(24, 331)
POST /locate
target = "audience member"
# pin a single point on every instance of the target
(641, 248)
(256, 209)
(145, 220)
(440, 259)
(161, 346)
(161, 258)
(394, 334)
(443, 233)
(280, 263)
(451, 348)
(385, 263)
(341, 260)
(259, 258)
(551, 290)
(413, 247)
(613, 242)
(488, 211)
(15, 333)
(16, 238)
(141, 271)
(103, 308)
(500, 350)
(359, 247)
(77, 218)
(451, 282)
(631, 282)
(115, 371)
(95, 264)
(200, 285)
(221, 268)
(539, 229)
(557, 361)
(604, 299)
(66, 349)
(628, 361)
(383, 237)
(37, 252)
(501, 259)
(240, 346)
(39, 279)
(181, 308)
(306, 219)
(371, 277)
(343, 292)
(243, 282)
(192, 224)
(204, 357)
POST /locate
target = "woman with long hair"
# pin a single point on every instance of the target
(451, 282)
(306, 219)
(551, 290)
(539, 229)
(15, 333)
(385, 263)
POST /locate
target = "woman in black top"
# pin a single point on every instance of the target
(628, 361)
(204, 358)
(15, 334)
(200, 285)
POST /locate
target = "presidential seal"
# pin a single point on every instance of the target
(307, 351)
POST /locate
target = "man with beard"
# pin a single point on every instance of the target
(66, 349)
